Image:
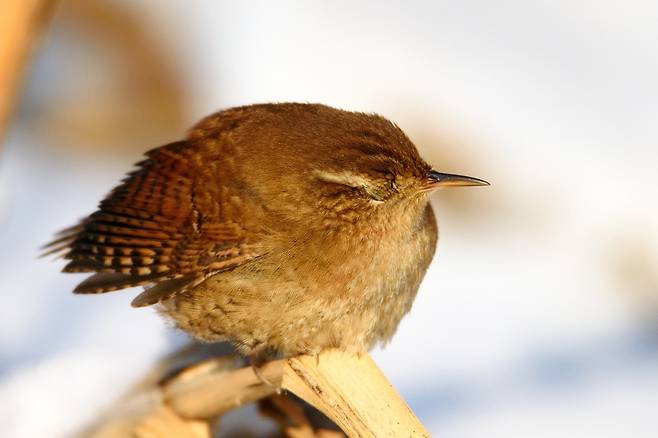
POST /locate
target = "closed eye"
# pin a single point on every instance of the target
(354, 180)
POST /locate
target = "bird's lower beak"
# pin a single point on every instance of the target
(436, 180)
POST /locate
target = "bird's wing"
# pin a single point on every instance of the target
(158, 227)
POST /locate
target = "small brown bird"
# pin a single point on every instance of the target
(282, 228)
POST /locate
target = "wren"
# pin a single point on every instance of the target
(283, 228)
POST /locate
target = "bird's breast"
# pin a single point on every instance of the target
(372, 263)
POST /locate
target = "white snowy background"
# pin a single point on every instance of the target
(537, 317)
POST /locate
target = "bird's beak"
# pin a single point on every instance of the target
(436, 180)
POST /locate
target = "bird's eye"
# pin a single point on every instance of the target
(375, 193)
(394, 185)
(389, 178)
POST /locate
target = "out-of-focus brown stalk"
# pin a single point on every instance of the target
(21, 23)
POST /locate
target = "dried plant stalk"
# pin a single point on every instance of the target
(212, 389)
(354, 393)
(164, 422)
(349, 389)
(20, 25)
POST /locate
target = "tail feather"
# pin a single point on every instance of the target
(110, 281)
(164, 290)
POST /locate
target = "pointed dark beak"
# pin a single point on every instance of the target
(437, 179)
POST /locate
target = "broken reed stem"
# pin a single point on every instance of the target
(211, 391)
(354, 393)
(348, 389)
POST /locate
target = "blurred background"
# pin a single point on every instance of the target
(539, 315)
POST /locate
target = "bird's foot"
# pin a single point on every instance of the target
(257, 362)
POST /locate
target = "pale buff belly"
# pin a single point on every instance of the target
(352, 307)
(283, 322)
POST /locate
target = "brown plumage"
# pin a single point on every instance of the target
(283, 228)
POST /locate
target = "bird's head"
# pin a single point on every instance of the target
(372, 168)
(327, 166)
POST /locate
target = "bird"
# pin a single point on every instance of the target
(283, 228)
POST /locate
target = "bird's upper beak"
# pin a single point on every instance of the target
(436, 180)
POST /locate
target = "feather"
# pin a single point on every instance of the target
(163, 290)
(160, 226)
(108, 281)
